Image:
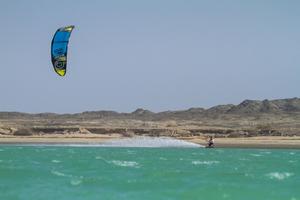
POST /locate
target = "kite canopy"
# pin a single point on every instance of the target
(59, 49)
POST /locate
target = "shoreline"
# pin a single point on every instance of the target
(276, 142)
(265, 142)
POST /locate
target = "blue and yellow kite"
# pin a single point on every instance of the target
(59, 49)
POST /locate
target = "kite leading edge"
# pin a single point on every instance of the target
(59, 49)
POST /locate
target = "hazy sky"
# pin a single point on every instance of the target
(155, 54)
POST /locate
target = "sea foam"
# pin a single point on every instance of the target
(255, 155)
(279, 175)
(150, 142)
(210, 162)
(75, 182)
(57, 173)
(125, 163)
(55, 161)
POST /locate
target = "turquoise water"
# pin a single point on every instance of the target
(52, 172)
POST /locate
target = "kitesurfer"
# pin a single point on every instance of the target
(210, 142)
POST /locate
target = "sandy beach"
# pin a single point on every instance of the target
(248, 142)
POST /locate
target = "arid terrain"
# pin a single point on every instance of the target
(246, 121)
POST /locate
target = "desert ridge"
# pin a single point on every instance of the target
(251, 123)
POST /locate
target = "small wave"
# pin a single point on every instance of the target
(162, 158)
(71, 151)
(35, 162)
(98, 158)
(248, 175)
(219, 150)
(266, 152)
(76, 182)
(255, 155)
(243, 159)
(57, 173)
(279, 175)
(211, 162)
(125, 163)
(132, 181)
(131, 152)
(55, 161)
(1, 150)
(292, 153)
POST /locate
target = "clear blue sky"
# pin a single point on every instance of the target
(158, 54)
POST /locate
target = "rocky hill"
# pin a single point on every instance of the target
(245, 108)
(249, 118)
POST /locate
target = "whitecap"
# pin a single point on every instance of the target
(255, 155)
(210, 162)
(247, 175)
(162, 158)
(75, 182)
(266, 152)
(132, 181)
(55, 161)
(125, 163)
(57, 173)
(279, 175)
(131, 152)
(98, 158)
(292, 153)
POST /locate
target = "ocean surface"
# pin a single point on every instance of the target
(39, 172)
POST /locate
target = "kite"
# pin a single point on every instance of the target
(59, 49)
